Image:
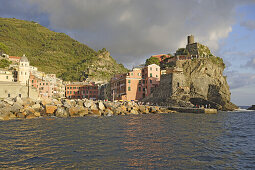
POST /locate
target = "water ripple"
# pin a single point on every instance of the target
(165, 141)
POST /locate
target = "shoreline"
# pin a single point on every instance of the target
(27, 108)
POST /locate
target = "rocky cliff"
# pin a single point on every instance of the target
(194, 82)
(197, 80)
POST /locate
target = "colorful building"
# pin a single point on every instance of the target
(81, 90)
(137, 84)
(45, 88)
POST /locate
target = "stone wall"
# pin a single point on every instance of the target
(12, 89)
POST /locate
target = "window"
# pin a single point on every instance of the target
(156, 69)
(74, 87)
(6, 77)
(143, 89)
(43, 83)
(143, 81)
(156, 75)
(150, 68)
(25, 73)
(70, 87)
(67, 87)
(67, 92)
(131, 74)
(9, 95)
(40, 84)
(150, 74)
(19, 95)
(47, 84)
(129, 81)
(129, 88)
(139, 88)
(150, 81)
(178, 84)
(70, 92)
(32, 81)
(78, 92)
(139, 81)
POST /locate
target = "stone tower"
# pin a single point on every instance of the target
(24, 71)
(191, 39)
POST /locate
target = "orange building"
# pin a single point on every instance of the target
(81, 90)
(137, 84)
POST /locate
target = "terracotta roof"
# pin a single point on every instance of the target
(14, 57)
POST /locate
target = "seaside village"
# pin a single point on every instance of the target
(23, 80)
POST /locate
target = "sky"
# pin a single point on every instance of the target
(133, 30)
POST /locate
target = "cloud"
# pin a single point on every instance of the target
(240, 80)
(135, 29)
(250, 63)
(250, 25)
(132, 30)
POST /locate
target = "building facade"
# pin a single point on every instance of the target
(135, 85)
(24, 71)
(81, 90)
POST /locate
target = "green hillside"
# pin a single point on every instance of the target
(55, 52)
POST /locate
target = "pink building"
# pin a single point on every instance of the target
(45, 88)
(135, 85)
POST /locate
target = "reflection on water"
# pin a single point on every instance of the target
(184, 141)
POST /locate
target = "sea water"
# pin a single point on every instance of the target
(153, 141)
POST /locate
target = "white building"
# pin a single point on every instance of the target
(24, 71)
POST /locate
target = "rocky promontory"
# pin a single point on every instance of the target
(27, 108)
(251, 108)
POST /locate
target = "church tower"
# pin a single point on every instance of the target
(24, 71)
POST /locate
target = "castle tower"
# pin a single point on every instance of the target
(24, 71)
(191, 39)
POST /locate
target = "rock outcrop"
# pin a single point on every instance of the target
(251, 108)
(197, 81)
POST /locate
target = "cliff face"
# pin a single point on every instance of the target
(194, 82)
(206, 83)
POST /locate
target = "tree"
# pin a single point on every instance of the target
(4, 63)
(152, 60)
(3, 48)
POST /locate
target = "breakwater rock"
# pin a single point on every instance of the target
(27, 108)
(251, 108)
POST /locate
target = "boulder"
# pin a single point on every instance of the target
(108, 112)
(46, 101)
(16, 108)
(101, 105)
(20, 115)
(84, 112)
(251, 108)
(18, 100)
(88, 103)
(9, 101)
(61, 112)
(30, 116)
(36, 107)
(37, 114)
(96, 112)
(134, 112)
(50, 109)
